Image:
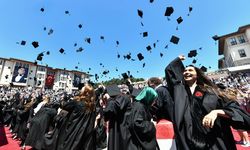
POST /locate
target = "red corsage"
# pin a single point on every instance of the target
(198, 94)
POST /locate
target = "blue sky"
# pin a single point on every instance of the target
(117, 20)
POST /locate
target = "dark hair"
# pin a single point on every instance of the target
(156, 81)
(204, 82)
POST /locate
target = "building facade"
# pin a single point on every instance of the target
(16, 72)
(235, 48)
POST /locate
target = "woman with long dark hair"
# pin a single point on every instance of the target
(202, 115)
(77, 132)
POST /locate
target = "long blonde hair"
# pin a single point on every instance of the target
(88, 96)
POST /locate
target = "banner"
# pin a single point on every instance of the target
(20, 74)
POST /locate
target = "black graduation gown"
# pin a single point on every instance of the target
(3, 138)
(163, 105)
(50, 138)
(39, 126)
(117, 112)
(143, 132)
(190, 109)
(77, 132)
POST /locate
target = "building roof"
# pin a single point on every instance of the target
(239, 68)
(28, 62)
(222, 38)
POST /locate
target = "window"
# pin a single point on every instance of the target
(233, 41)
(242, 53)
(40, 68)
(241, 39)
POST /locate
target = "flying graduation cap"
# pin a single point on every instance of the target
(148, 48)
(140, 56)
(204, 69)
(179, 20)
(140, 13)
(169, 11)
(61, 50)
(216, 37)
(42, 9)
(145, 34)
(88, 40)
(23, 42)
(174, 39)
(80, 49)
(189, 10)
(192, 53)
(40, 57)
(35, 44)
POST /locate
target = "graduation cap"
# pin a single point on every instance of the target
(61, 50)
(50, 31)
(151, 1)
(204, 69)
(113, 90)
(35, 44)
(76, 67)
(40, 57)
(128, 56)
(117, 42)
(118, 55)
(145, 34)
(102, 37)
(140, 56)
(154, 45)
(179, 20)
(142, 24)
(80, 49)
(216, 37)
(143, 65)
(169, 11)
(105, 72)
(23, 42)
(192, 53)
(80, 26)
(174, 39)
(35, 63)
(44, 28)
(140, 13)
(189, 10)
(194, 61)
(166, 46)
(125, 76)
(161, 54)
(48, 52)
(75, 44)
(88, 40)
(42, 9)
(148, 48)
(66, 12)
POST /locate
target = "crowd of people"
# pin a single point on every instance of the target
(202, 112)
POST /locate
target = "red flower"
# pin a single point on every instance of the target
(198, 94)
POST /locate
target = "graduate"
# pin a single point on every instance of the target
(202, 116)
(77, 132)
(142, 129)
(116, 110)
